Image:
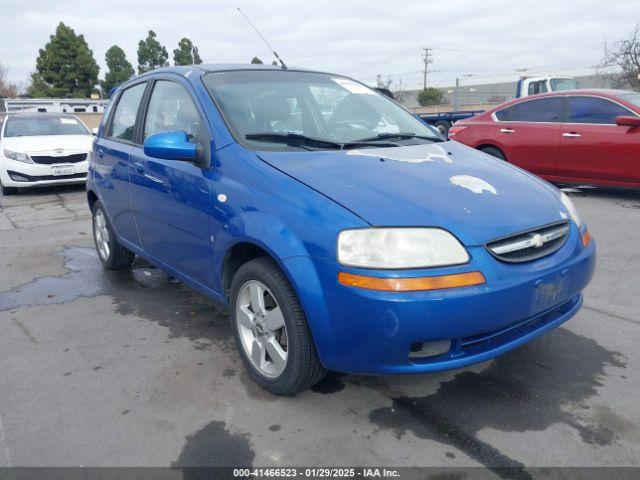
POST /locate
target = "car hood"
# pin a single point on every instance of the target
(476, 197)
(56, 144)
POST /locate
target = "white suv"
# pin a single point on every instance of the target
(38, 149)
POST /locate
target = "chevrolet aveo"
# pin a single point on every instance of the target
(339, 231)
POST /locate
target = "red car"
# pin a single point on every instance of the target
(579, 136)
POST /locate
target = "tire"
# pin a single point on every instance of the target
(302, 368)
(115, 257)
(494, 152)
(443, 127)
(6, 191)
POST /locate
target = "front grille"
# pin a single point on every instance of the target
(48, 160)
(38, 178)
(531, 244)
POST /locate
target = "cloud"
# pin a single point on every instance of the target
(490, 39)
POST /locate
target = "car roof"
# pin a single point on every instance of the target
(30, 115)
(223, 67)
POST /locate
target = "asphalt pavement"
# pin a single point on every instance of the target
(132, 368)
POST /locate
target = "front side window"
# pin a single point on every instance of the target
(29, 126)
(594, 110)
(543, 110)
(538, 87)
(124, 117)
(325, 107)
(171, 108)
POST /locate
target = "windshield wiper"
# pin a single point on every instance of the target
(298, 139)
(293, 138)
(399, 136)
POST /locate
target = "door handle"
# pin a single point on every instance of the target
(138, 167)
(571, 135)
(507, 130)
(100, 152)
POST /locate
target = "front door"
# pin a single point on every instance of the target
(593, 147)
(530, 136)
(111, 162)
(171, 199)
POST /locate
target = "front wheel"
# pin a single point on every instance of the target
(6, 191)
(112, 255)
(271, 330)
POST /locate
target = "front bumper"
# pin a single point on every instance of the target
(371, 332)
(39, 175)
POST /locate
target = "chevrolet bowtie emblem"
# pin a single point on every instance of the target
(536, 240)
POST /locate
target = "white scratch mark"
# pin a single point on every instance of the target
(409, 154)
(475, 184)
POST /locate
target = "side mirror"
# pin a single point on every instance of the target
(94, 130)
(171, 145)
(628, 121)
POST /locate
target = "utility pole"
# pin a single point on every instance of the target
(427, 60)
(456, 104)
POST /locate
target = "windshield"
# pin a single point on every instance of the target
(45, 125)
(559, 84)
(633, 98)
(324, 108)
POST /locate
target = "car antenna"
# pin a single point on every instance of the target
(284, 66)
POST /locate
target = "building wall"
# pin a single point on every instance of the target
(496, 92)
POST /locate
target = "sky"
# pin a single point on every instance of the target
(479, 41)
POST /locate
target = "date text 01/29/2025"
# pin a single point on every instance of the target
(316, 472)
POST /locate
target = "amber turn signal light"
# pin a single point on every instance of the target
(586, 237)
(415, 284)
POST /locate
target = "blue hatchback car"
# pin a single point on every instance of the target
(338, 230)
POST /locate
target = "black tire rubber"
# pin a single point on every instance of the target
(303, 368)
(119, 257)
(494, 152)
(443, 127)
(6, 191)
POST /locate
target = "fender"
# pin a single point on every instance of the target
(290, 253)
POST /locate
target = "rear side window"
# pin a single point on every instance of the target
(543, 110)
(124, 117)
(171, 108)
(594, 110)
(504, 113)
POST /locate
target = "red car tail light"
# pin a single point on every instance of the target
(453, 131)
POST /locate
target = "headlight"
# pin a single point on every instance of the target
(571, 208)
(399, 248)
(18, 157)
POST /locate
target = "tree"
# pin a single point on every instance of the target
(66, 65)
(627, 56)
(398, 88)
(186, 53)
(7, 89)
(256, 61)
(37, 87)
(430, 96)
(120, 70)
(151, 54)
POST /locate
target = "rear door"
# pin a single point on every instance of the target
(171, 199)
(593, 148)
(111, 158)
(530, 134)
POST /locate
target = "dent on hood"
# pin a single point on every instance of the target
(408, 154)
(475, 184)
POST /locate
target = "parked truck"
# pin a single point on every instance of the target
(526, 86)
